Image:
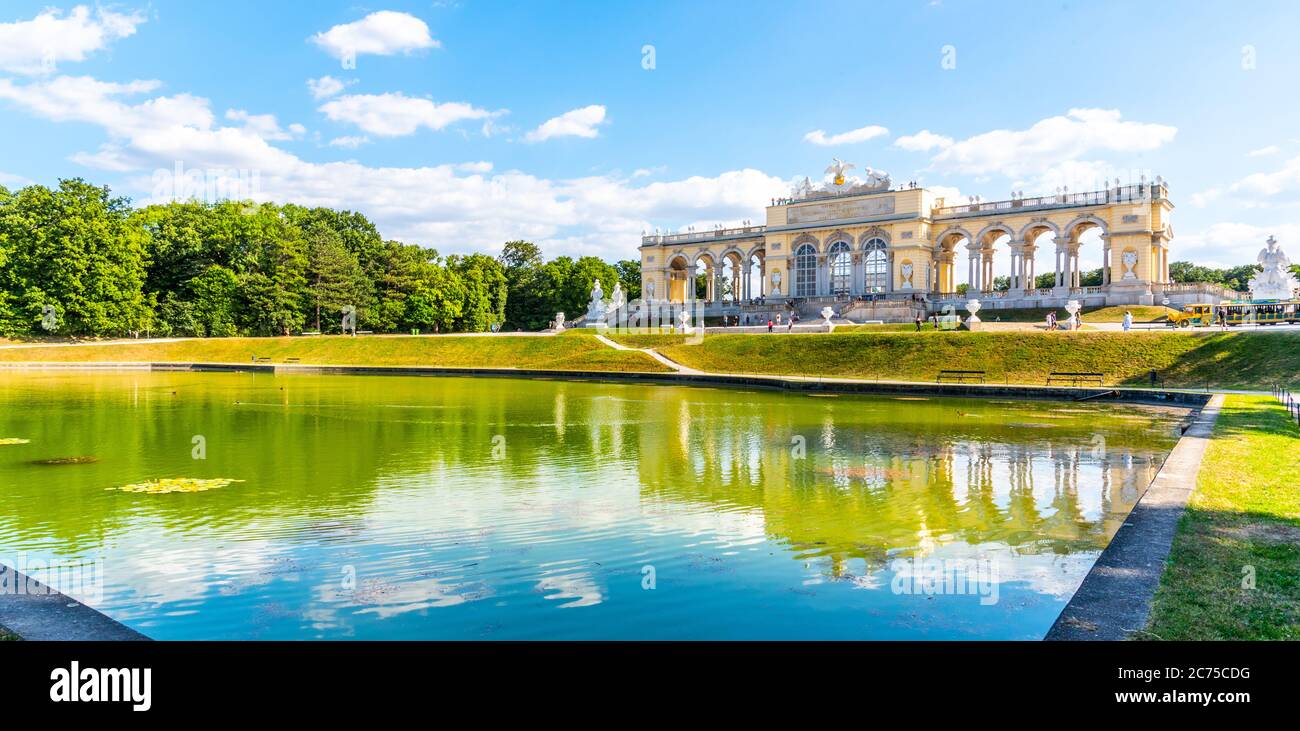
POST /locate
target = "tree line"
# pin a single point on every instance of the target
(76, 260)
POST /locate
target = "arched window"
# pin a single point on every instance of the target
(875, 266)
(805, 271)
(841, 268)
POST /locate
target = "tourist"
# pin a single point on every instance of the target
(1223, 318)
(1128, 320)
(1051, 320)
(769, 324)
(918, 323)
(789, 327)
(778, 319)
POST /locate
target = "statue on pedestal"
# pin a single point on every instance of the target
(1276, 281)
(596, 307)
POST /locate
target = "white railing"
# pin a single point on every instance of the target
(690, 236)
(1142, 192)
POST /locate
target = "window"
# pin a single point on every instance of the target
(875, 266)
(841, 268)
(805, 271)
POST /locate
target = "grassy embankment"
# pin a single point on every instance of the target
(1182, 360)
(1114, 313)
(565, 352)
(1234, 570)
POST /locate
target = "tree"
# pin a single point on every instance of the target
(334, 278)
(522, 261)
(215, 296)
(629, 273)
(75, 249)
(484, 282)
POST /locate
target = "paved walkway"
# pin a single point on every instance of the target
(1114, 600)
(677, 367)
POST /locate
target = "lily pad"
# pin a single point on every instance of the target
(6, 441)
(83, 459)
(176, 484)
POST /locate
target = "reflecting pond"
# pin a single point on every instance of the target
(340, 507)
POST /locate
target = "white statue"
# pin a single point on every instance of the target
(684, 318)
(618, 299)
(972, 306)
(837, 168)
(559, 322)
(907, 275)
(877, 179)
(1130, 259)
(650, 290)
(1276, 281)
(1073, 308)
(827, 314)
(596, 308)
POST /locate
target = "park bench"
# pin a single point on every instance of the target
(261, 359)
(291, 360)
(1075, 378)
(960, 376)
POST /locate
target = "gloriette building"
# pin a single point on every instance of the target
(875, 251)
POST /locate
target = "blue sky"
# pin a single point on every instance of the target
(464, 124)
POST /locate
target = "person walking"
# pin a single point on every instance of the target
(1128, 320)
(918, 323)
(769, 324)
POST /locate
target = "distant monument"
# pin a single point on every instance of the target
(1276, 281)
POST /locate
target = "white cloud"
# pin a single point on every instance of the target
(36, 46)
(1230, 244)
(1284, 180)
(922, 141)
(1263, 151)
(348, 142)
(327, 86)
(580, 122)
(384, 33)
(398, 115)
(1257, 190)
(264, 125)
(1047, 144)
(455, 207)
(861, 134)
(14, 181)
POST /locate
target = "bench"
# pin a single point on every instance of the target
(291, 360)
(1074, 378)
(960, 376)
(261, 359)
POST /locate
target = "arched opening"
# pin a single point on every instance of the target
(947, 263)
(678, 277)
(757, 275)
(841, 265)
(875, 265)
(704, 279)
(805, 271)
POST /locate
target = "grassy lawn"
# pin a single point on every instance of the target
(1245, 513)
(1183, 360)
(1114, 313)
(564, 352)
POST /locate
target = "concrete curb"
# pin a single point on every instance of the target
(34, 611)
(1166, 397)
(1114, 600)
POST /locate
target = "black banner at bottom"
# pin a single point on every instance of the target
(536, 680)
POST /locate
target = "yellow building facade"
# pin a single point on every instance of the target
(873, 241)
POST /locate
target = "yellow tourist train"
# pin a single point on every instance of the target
(1238, 313)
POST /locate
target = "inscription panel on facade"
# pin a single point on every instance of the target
(835, 210)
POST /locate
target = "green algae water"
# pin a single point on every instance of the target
(344, 507)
